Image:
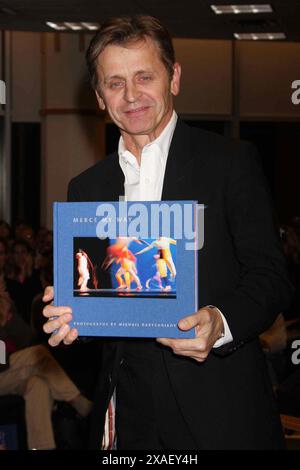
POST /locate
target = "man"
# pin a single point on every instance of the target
(173, 393)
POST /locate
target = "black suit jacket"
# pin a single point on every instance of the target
(227, 401)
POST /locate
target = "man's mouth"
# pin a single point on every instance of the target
(136, 111)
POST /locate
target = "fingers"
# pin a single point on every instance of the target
(50, 311)
(71, 336)
(196, 349)
(193, 344)
(65, 334)
(59, 317)
(59, 335)
(189, 322)
(48, 294)
(197, 357)
(199, 318)
(207, 323)
(57, 322)
(178, 345)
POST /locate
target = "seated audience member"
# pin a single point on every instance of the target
(8, 284)
(26, 279)
(43, 263)
(34, 374)
(275, 338)
(25, 232)
(288, 394)
(274, 343)
(3, 258)
(278, 339)
(290, 235)
(44, 239)
(5, 230)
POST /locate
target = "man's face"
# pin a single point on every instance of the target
(135, 87)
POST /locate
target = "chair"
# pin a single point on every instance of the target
(290, 423)
(12, 421)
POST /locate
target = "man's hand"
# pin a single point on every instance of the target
(59, 317)
(208, 325)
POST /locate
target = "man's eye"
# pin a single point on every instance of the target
(145, 78)
(116, 85)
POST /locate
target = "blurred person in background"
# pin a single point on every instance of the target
(290, 235)
(27, 283)
(25, 232)
(6, 282)
(5, 230)
(33, 373)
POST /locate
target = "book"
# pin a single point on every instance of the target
(127, 269)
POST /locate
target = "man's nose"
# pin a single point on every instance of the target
(132, 93)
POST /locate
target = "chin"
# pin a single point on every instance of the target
(137, 130)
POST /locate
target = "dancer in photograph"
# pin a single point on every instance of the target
(84, 265)
(127, 272)
(120, 254)
(83, 270)
(161, 275)
(163, 244)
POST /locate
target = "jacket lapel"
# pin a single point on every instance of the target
(178, 163)
(178, 168)
(114, 180)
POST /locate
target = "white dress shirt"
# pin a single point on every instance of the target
(144, 182)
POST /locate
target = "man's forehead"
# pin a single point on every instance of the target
(135, 44)
(113, 53)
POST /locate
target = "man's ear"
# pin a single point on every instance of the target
(175, 82)
(101, 103)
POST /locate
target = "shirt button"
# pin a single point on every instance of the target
(147, 181)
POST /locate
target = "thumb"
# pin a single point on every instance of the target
(48, 294)
(189, 322)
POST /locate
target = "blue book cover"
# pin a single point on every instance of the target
(127, 268)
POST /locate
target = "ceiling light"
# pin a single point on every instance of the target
(241, 9)
(67, 25)
(259, 36)
(90, 26)
(57, 26)
(74, 26)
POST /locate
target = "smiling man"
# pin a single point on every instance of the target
(213, 391)
(136, 88)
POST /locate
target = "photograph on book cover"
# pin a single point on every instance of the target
(124, 267)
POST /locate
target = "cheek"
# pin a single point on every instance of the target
(113, 105)
(162, 95)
